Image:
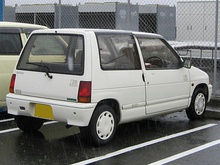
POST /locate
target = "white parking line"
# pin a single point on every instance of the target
(186, 153)
(50, 122)
(6, 120)
(9, 130)
(16, 129)
(131, 148)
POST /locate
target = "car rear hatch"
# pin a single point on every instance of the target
(51, 66)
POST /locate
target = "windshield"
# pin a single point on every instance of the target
(57, 53)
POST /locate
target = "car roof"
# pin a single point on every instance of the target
(20, 25)
(82, 30)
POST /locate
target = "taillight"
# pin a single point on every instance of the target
(84, 94)
(12, 84)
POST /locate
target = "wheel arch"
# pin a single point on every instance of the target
(114, 104)
(198, 102)
(204, 87)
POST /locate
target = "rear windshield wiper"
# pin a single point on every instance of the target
(43, 66)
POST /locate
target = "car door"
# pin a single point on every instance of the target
(167, 82)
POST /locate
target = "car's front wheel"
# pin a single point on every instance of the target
(28, 124)
(197, 107)
(102, 126)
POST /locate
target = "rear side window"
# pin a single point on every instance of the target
(118, 52)
(10, 44)
(53, 53)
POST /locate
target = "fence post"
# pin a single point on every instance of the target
(35, 18)
(128, 15)
(216, 51)
(59, 24)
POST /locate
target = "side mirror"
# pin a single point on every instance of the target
(187, 64)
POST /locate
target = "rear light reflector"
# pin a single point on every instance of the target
(84, 94)
(12, 84)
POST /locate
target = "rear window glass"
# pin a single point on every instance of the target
(53, 53)
(10, 44)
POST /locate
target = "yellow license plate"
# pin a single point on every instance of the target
(43, 111)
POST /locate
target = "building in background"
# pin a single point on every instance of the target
(196, 21)
(111, 15)
(48, 15)
(9, 14)
(156, 18)
(159, 19)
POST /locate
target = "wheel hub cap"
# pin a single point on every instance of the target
(105, 125)
(200, 104)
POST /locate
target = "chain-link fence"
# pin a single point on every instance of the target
(191, 26)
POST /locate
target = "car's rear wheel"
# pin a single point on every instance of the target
(197, 107)
(28, 124)
(102, 126)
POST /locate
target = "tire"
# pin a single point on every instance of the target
(198, 104)
(102, 126)
(28, 124)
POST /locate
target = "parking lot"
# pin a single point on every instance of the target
(171, 139)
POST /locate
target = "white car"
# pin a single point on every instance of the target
(13, 36)
(97, 79)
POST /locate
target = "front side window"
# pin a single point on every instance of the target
(118, 52)
(157, 54)
(54, 54)
(10, 44)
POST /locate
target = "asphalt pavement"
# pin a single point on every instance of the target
(213, 109)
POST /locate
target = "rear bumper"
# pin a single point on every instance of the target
(78, 114)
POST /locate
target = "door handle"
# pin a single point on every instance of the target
(143, 77)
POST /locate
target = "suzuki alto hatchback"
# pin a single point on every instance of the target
(97, 79)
